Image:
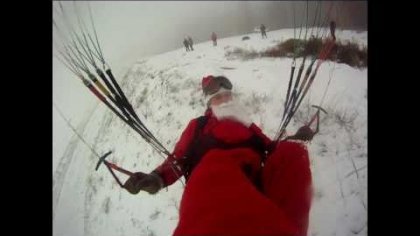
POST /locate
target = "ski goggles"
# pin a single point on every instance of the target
(213, 84)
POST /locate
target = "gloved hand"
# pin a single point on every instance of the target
(304, 133)
(150, 183)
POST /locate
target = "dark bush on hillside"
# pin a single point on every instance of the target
(348, 53)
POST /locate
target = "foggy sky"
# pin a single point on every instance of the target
(160, 26)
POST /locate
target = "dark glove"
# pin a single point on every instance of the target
(304, 133)
(150, 183)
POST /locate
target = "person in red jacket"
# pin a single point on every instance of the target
(238, 182)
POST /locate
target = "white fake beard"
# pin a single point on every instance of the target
(232, 110)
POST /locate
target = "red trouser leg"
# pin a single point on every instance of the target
(287, 181)
(219, 199)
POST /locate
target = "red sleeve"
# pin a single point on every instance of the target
(258, 131)
(169, 172)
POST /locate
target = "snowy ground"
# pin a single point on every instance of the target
(165, 91)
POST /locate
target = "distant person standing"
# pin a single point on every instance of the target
(262, 29)
(332, 29)
(186, 44)
(214, 38)
(190, 42)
